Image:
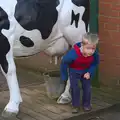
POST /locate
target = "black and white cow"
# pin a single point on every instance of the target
(31, 26)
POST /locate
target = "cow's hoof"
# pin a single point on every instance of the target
(64, 100)
(11, 109)
(8, 114)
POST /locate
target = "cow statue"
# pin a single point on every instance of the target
(28, 27)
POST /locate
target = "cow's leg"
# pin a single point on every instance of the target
(12, 108)
(66, 95)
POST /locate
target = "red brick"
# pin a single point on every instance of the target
(109, 36)
(108, 26)
(101, 25)
(103, 18)
(109, 69)
(103, 5)
(111, 26)
(109, 12)
(108, 40)
(109, 19)
(109, 59)
(111, 1)
(107, 48)
(116, 7)
(105, 36)
(109, 44)
(103, 32)
(114, 35)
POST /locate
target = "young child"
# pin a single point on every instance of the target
(82, 61)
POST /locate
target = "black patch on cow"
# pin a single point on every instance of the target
(4, 44)
(57, 2)
(80, 2)
(37, 14)
(86, 15)
(75, 18)
(27, 42)
(4, 64)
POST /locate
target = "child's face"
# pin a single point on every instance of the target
(89, 49)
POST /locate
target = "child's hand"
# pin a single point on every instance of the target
(87, 75)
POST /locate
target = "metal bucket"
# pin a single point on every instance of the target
(54, 87)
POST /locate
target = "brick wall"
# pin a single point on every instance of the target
(109, 31)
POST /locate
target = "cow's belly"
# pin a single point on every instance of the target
(28, 47)
(37, 44)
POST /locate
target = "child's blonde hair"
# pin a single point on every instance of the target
(90, 38)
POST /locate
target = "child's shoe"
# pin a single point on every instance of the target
(75, 110)
(87, 109)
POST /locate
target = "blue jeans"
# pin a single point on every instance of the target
(75, 79)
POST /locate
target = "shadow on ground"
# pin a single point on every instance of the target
(25, 78)
(110, 113)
